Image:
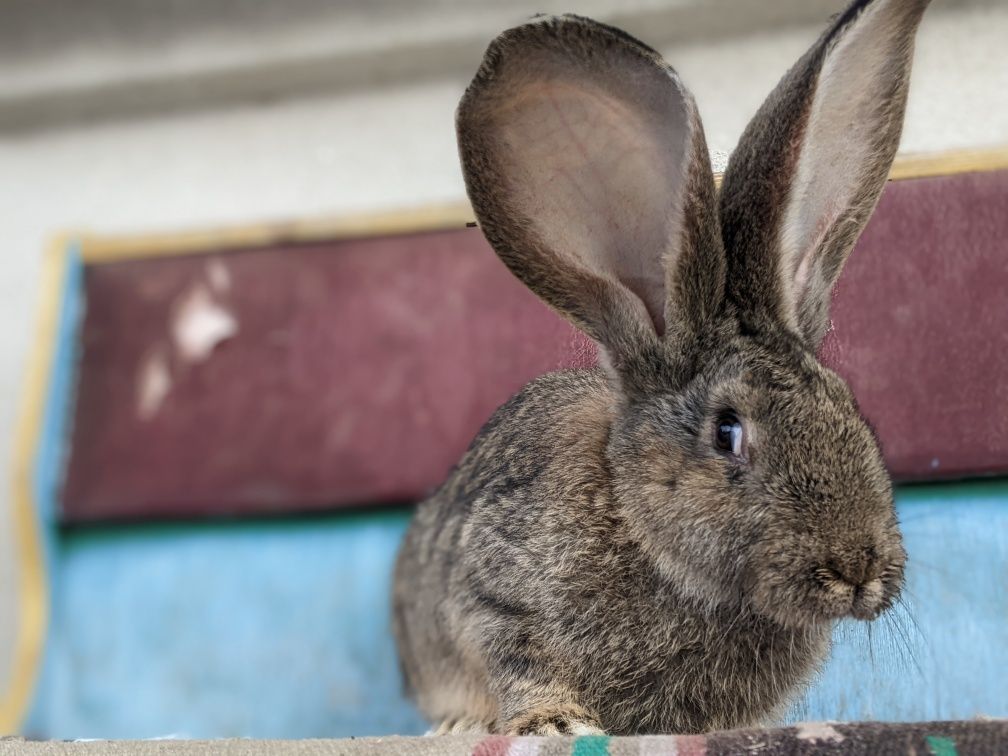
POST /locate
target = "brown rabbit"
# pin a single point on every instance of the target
(662, 544)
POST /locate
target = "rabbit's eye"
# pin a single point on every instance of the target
(729, 436)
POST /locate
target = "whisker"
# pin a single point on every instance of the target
(893, 622)
(871, 649)
(908, 612)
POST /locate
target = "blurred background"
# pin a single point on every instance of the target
(136, 116)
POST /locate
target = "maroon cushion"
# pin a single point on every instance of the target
(361, 369)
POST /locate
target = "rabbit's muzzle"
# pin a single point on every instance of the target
(862, 587)
(806, 580)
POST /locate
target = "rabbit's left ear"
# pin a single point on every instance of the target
(585, 162)
(810, 167)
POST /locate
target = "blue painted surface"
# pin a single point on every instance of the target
(281, 628)
(268, 629)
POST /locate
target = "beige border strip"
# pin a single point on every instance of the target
(110, 249)
(33, 594)
(101, 249)
(926, 165)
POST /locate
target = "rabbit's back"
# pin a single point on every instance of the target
(489, 544)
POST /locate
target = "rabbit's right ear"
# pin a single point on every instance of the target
(811, 165)
(586, 165)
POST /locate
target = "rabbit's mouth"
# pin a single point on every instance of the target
(864, 597)
(842, 597)
(821, 593)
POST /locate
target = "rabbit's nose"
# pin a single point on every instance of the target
(858, 566)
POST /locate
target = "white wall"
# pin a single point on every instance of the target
(383, 147)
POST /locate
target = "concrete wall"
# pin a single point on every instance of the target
(224, 114)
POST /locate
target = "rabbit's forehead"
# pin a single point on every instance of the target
(786, 389)
(810, 419)
(747, 364)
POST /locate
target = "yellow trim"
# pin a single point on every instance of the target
(109, 249)
(926, 165)
(101, 249)
(33, 601)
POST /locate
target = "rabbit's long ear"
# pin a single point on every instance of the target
(812, 164)
(585, 162)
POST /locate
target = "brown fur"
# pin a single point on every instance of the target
(594, 562)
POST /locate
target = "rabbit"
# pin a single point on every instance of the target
(663, 543)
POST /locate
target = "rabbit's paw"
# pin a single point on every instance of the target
(461, 726)
(563, 719)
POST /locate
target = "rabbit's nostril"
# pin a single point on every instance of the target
(856, 566)
(828, 576)
(854, 573)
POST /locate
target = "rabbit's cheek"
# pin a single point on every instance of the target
(839, 600)
(869, 600)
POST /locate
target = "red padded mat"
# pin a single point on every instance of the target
(355, 372)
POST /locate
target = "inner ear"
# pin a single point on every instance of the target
(593, 157)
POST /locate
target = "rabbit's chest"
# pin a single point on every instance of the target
(696, 676)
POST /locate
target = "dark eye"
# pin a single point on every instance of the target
(729, 436)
